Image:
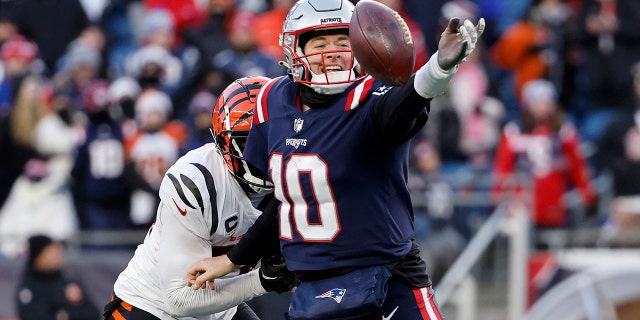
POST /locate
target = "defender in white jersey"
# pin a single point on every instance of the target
(207, 204)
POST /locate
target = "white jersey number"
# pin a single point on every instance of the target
(106, 158)
(294, 204)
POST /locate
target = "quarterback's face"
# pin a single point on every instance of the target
(328, 53)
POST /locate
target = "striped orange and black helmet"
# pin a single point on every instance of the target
(232, 119)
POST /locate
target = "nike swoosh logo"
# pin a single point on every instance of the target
(267, 277)
(390, 314)
(183, 212)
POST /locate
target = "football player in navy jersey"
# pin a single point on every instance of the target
(208, 200)
(335, 144)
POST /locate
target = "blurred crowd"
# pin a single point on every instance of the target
(99, 97)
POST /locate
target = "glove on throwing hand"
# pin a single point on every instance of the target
(458, 41)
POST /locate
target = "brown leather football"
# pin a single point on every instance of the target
(382, 42)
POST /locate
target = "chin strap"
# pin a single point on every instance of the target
(335, 88)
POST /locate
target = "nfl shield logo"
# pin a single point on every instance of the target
(297, 124)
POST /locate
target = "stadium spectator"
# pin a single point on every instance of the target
(157, 144)
(267, 26)
(433, 200)
(79, 67)
(45, 292)
(207, 204)
(207, 40)
(16, 129)
(545, 147)
(94, 39)
(101, 192)
(154, 67)
(342, 172)
(17, 56)
(181, 14)
(40, 199)
(119, 35)
(520, 50)
(200, 111)
(610, 46)
(176, 62)
(244, 58)
(8, 28)
(52, 25)
(619, 154)
(123, 93)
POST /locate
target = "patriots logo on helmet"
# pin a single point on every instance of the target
(335, 294)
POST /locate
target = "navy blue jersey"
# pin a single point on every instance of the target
(99, 170)
(344, 200)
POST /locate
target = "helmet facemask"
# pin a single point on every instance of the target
(309, 19)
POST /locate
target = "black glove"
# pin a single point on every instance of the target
(274, 275)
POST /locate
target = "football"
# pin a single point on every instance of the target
(381, 42)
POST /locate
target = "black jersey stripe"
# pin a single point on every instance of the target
(208, 179)
(178, 186)
(194, 190)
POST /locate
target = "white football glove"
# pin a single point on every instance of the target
(458, 41)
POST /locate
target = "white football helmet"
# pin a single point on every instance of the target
(317, 16)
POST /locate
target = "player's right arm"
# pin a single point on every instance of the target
(399, 113)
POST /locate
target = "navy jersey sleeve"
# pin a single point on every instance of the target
(261, 240)
(399, 114)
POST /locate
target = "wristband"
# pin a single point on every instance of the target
(431, 80)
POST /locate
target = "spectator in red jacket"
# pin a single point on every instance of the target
(545, 147)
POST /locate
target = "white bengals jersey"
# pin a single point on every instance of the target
(202, 208)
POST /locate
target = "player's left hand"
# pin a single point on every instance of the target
(458, 41)
(274, 275)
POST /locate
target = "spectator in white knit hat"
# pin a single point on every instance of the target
(123, 93)
(155, 146)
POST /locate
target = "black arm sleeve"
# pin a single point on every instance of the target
(399, 114)
(261, 240)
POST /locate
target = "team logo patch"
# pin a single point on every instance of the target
(297, 124)
(335, 294)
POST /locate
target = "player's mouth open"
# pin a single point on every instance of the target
(332, 68)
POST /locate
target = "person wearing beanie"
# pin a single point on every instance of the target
(545, 146)
(44, 292)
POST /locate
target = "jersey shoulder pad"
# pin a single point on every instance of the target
(190, 181)
(359, 93)
(261, 113)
